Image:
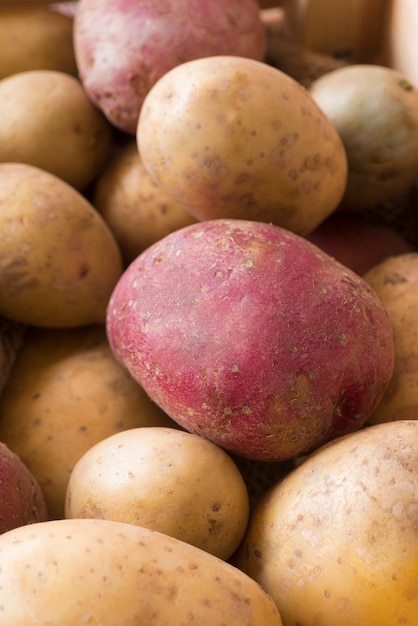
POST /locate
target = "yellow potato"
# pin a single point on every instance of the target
(232, 137)
(138, 211)
(59, 261)
(163, 479)
(67, 392)
(35, 37)
(74, 572)
(335, 542)
(48, 121)
(395, 281)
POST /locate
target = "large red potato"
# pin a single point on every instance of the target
(123, 47)
(248, 334)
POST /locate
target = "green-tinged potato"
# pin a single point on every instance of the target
(138, 211)
(395, 281)
(67, 392)
(232, 137)
(375, 111)
(74, 572)
(34, 37)
(59, 261)
(48, 121)
(336, 541)
(21, 498)
(250, 335)
(167, 480)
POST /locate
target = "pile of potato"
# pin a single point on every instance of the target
(208, 344)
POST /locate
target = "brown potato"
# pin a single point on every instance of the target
(395, 281)
(66, 392)
(59, 261)
(49, 122)
(138, 211)
(34, 37)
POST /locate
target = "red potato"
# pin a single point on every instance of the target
(356, 242)
(123, 46)
(21, 498)
(251, 336)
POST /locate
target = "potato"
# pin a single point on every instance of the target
(21, 499)
(230, 137)
(395, 281)
(67, 392)
(163, 479)
(375, 111)
(136, 209)
(251, 336)
(59, 261)
(35, 38)
(356, 242)
(11, 340)
(122, 48)
(335, 542)
(49, 122)
(81, 571)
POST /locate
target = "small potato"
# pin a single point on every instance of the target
(34, 37)
(375, 111)
(49, 122)
(59, 261)
(67, 392)
(395, 280)
(167, 480)
(76, 572)
(335, 542)
(231, 137)
(138, 211)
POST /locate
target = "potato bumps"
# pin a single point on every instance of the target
(251, 336)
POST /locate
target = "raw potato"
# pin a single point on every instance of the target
(230, 137)
(122, 48)
(66, 393)
(35, 38)
(251, 336)
(395, 281)
(106, 573)
(11, 340)
(137, 210)
(167, 480)
(49, 122)
(375, 111)
(336, 541)
(59, 261)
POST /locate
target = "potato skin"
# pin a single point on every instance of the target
(210, 136)
(250, 335)
(67, 392)
(107, 573)
(49, 122)
(122, 48)
(395, 281)
(34, 37)
(335, 542)
(59, 261)
(167, 480)
(137, 210)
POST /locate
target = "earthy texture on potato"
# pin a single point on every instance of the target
(122, 48)
(102, 572)
(230, 137)
(253, 337)
(375, 111)
(59, 260)
(395, 281)
(335, 542)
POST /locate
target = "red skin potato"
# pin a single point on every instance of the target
(122, 47)
(251, 336)
(21, 499)
(357, 243)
